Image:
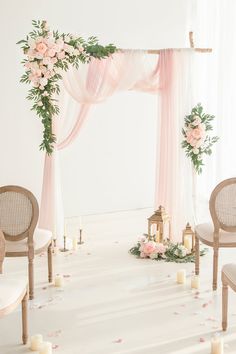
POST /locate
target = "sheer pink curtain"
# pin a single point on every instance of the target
(94, 83)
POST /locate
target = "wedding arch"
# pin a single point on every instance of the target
(104, 72)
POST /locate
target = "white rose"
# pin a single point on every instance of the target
(195, 151)
(76, 52)
(43, 81)
(153, 255)
(67, 38)
(31, 43)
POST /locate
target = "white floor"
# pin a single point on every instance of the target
(113, 303)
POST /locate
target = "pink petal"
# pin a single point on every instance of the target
(119, 340)
(201, 340)
(205, 305)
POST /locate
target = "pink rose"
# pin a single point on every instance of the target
(46, 60)
(149, 247)
(54, 60)
(41, 47)
(51, 53)
(197, 133)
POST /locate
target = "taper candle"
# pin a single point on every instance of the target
(75, 244)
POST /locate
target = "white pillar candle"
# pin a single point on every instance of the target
(217, 344)
(153, 229)
(181, 276)
(158, 236)
(36, 341)
(188, 242)
(59, 281)
(195, 282)
(46, 348)
(75, 244)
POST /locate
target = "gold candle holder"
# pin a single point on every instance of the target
(80, 242)
(64, 249)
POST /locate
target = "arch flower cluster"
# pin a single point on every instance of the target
(47, 54)
(197, 142)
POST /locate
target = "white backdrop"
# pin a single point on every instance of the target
(107, 169)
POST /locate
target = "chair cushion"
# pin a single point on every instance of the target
(41, 239)
(205, 233)
(11, 289)
(230, 271)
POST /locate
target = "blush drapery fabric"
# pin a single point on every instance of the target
(94, 83)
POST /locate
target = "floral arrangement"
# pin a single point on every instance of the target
(47, 54)
(196, 141)
(169, 252)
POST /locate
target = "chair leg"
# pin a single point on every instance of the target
(24, 306)
(1, 263)
(50, 263)
(197, 256)
(215, 268)
(31, 278)
(224, 306)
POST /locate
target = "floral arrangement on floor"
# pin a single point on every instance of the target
(196, 141)
(47, 54)
(169, 252)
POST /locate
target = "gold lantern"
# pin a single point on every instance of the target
(159, 225)
(188, 238)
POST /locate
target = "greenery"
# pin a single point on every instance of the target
(47, 54)
(196, 142)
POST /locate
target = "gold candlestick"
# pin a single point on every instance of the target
(80, 242)
(64, 249)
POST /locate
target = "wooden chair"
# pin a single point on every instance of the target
(13, 291)
(19, 213)
(228, 277)
(223, 231)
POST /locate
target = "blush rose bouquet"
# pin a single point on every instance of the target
(196, 141)
(47, 54)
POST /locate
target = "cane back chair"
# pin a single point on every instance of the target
(19, 213)
(13, 292)
(223, 231)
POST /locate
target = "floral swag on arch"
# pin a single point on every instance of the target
(48, 53)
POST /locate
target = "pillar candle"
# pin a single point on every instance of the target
(188, 243)
(153, 229)
(46, 348)
(59, 281)
(75, 244)
(217, 345)
(36, 341)
(195, 282)
(181, 276)
(158, 236)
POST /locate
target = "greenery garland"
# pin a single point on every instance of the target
(48, 53)
(172, 253)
